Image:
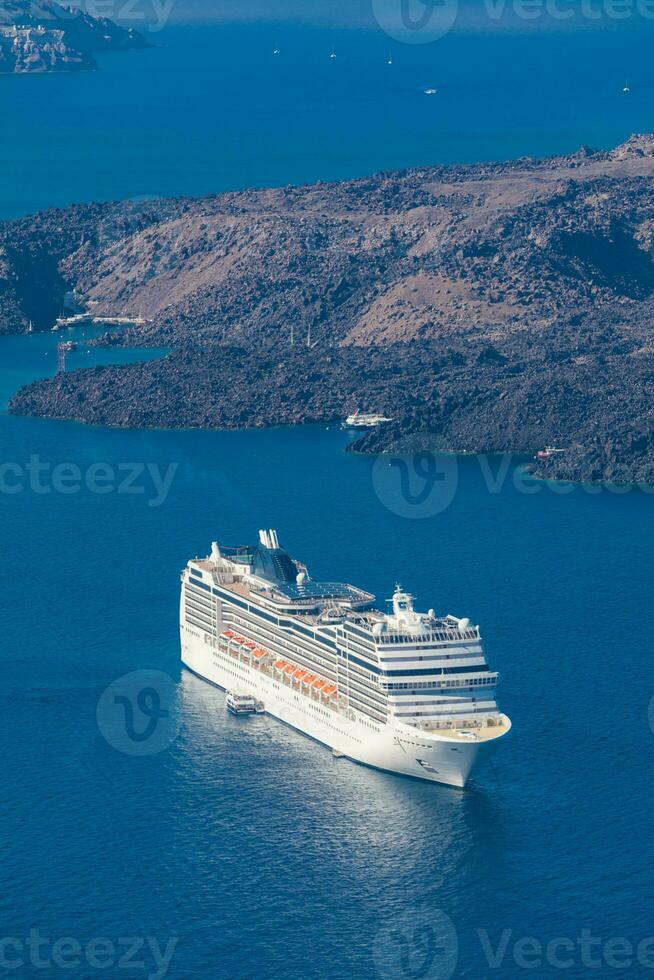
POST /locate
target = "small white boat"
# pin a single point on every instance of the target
(548, 452)
(243, 704)
(390, 59)
(431, 91)
(276, 51)
(333, 54)
(626, 87)
(365, 420)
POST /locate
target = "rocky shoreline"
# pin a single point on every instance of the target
(454, 397)
(483, 309)
(40, 36)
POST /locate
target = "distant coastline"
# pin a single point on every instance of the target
(487, 308)
(43, 36)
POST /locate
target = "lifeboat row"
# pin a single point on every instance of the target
(305, 678)
(308, 682)
(241, 644)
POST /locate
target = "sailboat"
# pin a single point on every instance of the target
(333, 54)
(276, 50)
(390, 59)
(626, 87)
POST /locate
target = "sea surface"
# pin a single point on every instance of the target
(240, 847)
(245, 843)
(211, 108)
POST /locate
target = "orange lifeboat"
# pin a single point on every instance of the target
(329, 689)
(280, 664)
(318, 685)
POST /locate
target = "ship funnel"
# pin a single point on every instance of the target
(215, 552)
(263, 538)
(273, 538)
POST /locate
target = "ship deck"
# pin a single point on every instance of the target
(467, 733)
(366, 618)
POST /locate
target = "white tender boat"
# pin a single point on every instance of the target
(365, 420)
(243, 704)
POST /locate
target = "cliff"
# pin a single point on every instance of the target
(44, 36)
(484, 308)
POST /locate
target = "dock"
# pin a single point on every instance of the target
(90, 319)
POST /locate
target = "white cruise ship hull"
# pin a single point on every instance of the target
(396, 748)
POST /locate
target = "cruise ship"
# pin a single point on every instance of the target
(402, 691)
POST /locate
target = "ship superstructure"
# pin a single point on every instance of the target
(400, 690)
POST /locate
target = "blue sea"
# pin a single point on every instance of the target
(239, 849)
(248, 845)
(211, 108)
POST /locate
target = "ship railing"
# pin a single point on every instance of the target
(443, 636)
(452, 724)
(399, 688)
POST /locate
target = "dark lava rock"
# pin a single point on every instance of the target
(482, 308)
